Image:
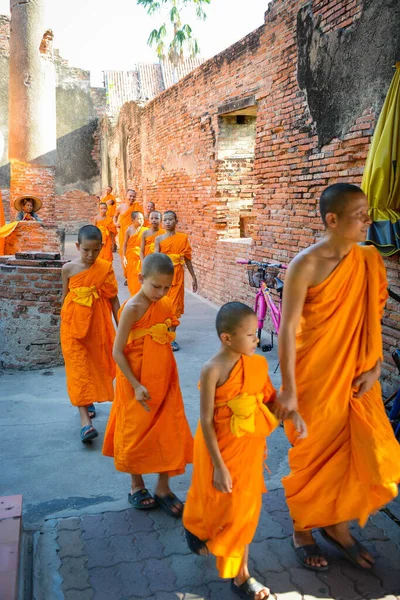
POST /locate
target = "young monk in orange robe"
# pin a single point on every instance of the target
(237, 402)
(147, 431)
(148, 238)
(109, 199)
(131, 252)
(330, 349)
(177, 247)
(122, 219)
(108, 232)
(89, 298)
(150, 207)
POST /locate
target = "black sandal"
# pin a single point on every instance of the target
(167, 502)
(249, 588)
(137, 498)
(196, 545)
(351, 552)
(91, 411)
(309, 551)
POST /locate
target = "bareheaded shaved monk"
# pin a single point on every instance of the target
(330, 349)
(89, 298)
(122, 219)
(131, 251)
(177, 247)
(147, 431)
(110, 201)
(150, 206)
(147, 244)
(108, 231)
(237, 406)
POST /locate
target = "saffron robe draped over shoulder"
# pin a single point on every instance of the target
(178, 248)
(149, 242)
(160, 440)
(107, 227)
(227, 522)
(125, 220)
(134, 264)
(349, 464)
(87, 334)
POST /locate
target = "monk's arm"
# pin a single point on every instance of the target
(208, 381)
(125, 244)
(116, 217)
(142, 245)
(157, 244)
(191, 271)
(295, 291)
(65, 280)
(115, 306)
(129, 316)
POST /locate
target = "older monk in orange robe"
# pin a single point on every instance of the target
(87, 333)
(147, 431)
(349, 465)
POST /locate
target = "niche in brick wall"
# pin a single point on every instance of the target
(235, 173)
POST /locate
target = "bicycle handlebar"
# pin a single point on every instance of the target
(242, 261)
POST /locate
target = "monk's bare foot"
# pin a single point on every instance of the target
(341, 534)
(245, 584)
(305, 538)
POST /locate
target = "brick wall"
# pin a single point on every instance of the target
(173, 143)
(4, 35)
(30, 303)
(33, 237)
(75, 209)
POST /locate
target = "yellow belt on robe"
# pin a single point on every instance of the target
(134, 250)
(104, 231)
(84, 295)
(159, 333)
(152, 247)
(243, 408)
(177, 259)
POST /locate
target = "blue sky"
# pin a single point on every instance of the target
(112, 34)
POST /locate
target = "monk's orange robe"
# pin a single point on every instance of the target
(149, 242)
(227, 522)
(178, 248)
(349, 464)
(87, 334)
(125, 220)
(160, 440)
(107, 227)
(113, 207)
(134, 263)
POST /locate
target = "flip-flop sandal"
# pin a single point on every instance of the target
(137, 498)
(91, 411)
(196, 545)
(249, 588)
(88, 433)
(175, 346)
(351, 552)
(309, 551)
(167, 502)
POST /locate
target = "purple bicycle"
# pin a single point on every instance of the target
(264, 277)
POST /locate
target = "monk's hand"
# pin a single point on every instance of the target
(299, 424)
(366, 380)
(142, 395)
(194, 284)
(286, 402)
(222, 480)
(125, 261)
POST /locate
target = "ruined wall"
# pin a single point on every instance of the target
(79, 109)
(315, 76)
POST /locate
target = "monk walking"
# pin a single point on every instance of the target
(147, 431)
(122, 220)
(131, 252)
(150, 206)
(177, 247)
(110, 200)
(237, 406)
(89, 298)
(108, 232)
(147, 244)
(330, 349)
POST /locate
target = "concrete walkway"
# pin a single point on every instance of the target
(88, 543)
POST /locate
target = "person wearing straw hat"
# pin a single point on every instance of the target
(27, 207)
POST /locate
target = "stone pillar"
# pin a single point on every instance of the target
(32, 107)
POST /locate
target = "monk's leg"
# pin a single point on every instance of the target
(138, 485)
(304, 538)
(243, 575)
(84, 415)
(164, 491)
(341, 534)
(88, 432)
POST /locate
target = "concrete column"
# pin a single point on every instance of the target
(32, 86)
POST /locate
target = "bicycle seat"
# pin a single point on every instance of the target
(396, 358)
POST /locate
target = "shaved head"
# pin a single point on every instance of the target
(336, 197)
(230, 316)
(157, 263)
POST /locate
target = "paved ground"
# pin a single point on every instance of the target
(88, 543)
